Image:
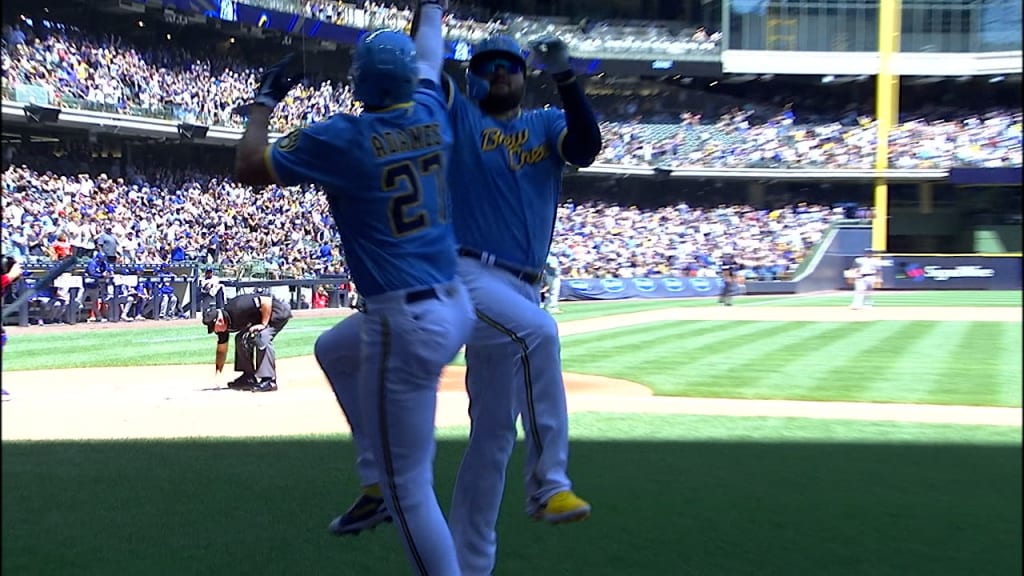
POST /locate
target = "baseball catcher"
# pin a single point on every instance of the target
(257, 319)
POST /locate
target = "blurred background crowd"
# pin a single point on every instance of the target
(189, 210)
(108, 74)
(288, 232)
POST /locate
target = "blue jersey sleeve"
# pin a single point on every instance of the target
(431, 95)
(555, 130)
(306, 155)
(453, 97)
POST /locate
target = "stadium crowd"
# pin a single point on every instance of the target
(168, 218)
(470, 24)
(103, 73)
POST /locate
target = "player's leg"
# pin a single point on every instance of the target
(542, 407)
(265, 360)
(515, 337)
(338, 353)
(405, 348)
(869, 288)
(480, 483)
(245, 361)
(858, 294)
(491, 384)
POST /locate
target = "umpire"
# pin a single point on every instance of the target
(257, 319)
(727, 268)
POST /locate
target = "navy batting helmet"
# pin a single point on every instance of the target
(384, 69)
(499, 46)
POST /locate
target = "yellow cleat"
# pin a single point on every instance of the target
(562, 508)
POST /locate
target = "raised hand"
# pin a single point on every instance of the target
(551, 53)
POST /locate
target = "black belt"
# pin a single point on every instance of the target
(421, 295)
(522, 274)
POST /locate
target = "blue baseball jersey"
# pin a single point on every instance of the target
(385, 178)
(518, 164)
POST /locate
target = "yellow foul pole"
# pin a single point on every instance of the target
(887, 106)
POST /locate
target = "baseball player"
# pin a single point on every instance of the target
(257, 320)
(504, 223)
(98, 273)
(727, 268)
(552, 284)
(866, 276)
(384, 174)
(513, 355)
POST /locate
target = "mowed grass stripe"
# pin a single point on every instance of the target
(742, 356)
(802, 372)
(793, 357)
(873, 376)
(983, 298)
(849, 376)
(671, 353)
(1009, 350)
(977, 373)
(919, 367)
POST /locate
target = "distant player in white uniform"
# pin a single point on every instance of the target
(867, 269)
(552, 284)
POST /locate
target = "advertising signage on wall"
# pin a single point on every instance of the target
(621, 288)
(953, 273)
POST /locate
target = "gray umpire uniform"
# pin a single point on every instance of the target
(254, 355)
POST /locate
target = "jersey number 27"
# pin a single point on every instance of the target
(406, 210)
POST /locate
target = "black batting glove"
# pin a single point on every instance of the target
(277, 81)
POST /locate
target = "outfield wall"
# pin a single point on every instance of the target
(623, 288)
(961, 272)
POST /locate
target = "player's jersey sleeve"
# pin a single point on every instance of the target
(431, 95)
(556, 130)
(307, 155)
(454, 98)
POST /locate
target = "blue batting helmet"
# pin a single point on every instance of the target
(499, 45)
(384, 69)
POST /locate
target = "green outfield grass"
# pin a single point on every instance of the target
(672, 495)
(973, 363)
(159, 344)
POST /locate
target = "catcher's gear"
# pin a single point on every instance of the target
(384, 69)
(551, 53)
(499, 46)
(277, 81)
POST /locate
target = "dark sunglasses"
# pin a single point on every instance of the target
(491, 66)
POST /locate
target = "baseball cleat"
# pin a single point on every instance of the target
(265, 385)
(562, 508)
(243, 382)
(367, 512)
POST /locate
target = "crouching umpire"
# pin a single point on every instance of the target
(257, 319)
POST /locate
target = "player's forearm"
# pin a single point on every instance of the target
(222, 356)
(429, 39)
(582, 141)
(249, 154)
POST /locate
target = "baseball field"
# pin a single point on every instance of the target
(780, 436)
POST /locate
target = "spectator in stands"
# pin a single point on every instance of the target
(127, 80)
(320, 297)
(61, 247)
(167, 307)
(98, 275)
